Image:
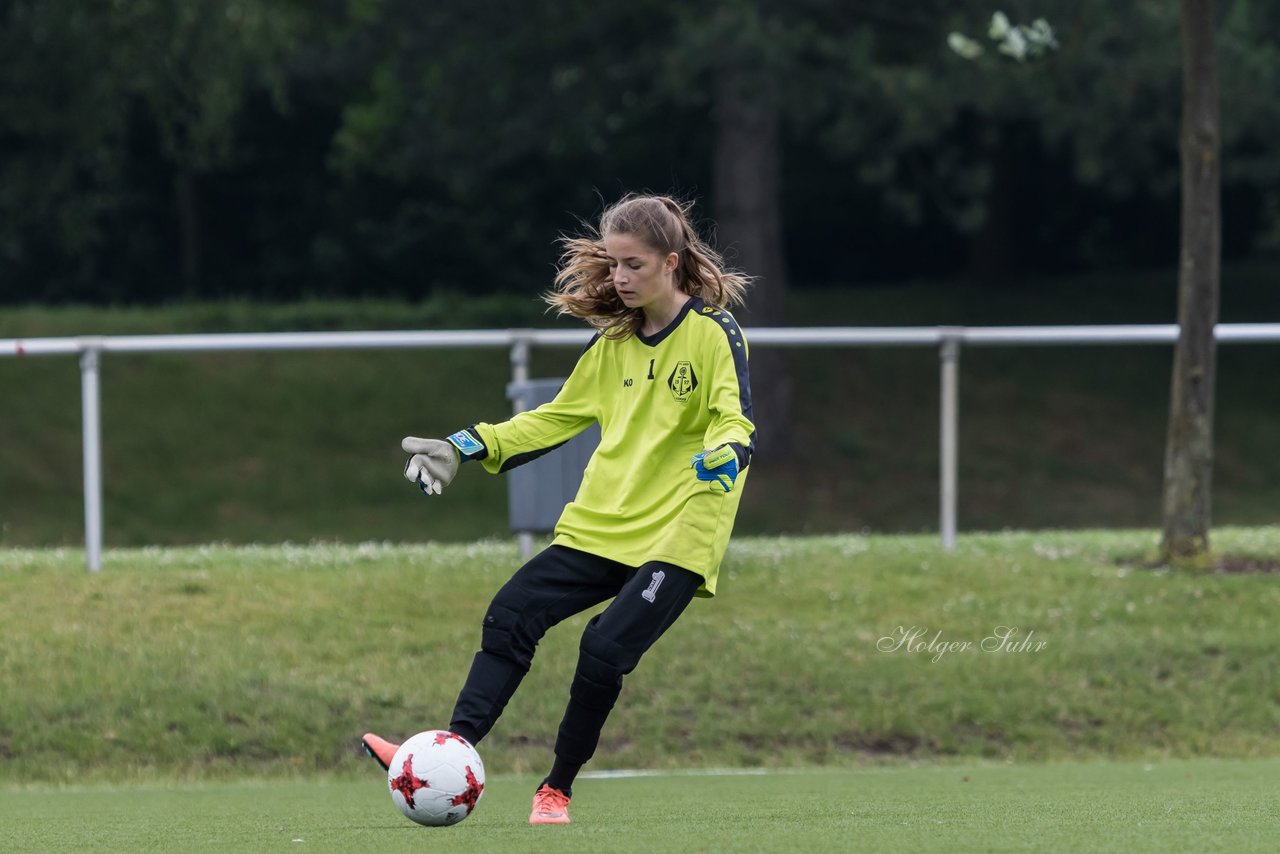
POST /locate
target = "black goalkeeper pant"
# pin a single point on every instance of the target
(553, 586)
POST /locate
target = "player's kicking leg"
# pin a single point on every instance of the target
(380, 749)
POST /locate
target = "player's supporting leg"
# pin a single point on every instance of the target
(553, 586)
(611, 647)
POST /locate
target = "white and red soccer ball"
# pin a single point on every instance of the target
(436, 778)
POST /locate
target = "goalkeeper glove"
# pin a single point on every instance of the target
(435, 461)
(718, 467)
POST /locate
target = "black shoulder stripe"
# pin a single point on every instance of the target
(527, 457)
(738, 347)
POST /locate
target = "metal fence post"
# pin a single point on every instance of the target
(948, 430)
(519, 369)
(519, 378)
(91, 429)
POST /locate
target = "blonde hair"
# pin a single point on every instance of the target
(584, 284)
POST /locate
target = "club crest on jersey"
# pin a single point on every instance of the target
(682, 381)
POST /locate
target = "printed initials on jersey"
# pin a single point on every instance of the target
(651, 369)
(626, 383)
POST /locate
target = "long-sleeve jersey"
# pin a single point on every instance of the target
(659, 400)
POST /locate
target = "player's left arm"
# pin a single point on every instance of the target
(730, 436)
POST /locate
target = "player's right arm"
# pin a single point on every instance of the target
(528, 435)
(501, 447)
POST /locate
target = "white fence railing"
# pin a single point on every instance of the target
(948, 339)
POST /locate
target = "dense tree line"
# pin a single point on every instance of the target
(155, 150)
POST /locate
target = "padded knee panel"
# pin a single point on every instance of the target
(601, 660)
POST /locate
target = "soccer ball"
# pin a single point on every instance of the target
(436, 778)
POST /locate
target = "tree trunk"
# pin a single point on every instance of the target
(991, 249)
(748, 213)
(1188, 464)
(187, 208)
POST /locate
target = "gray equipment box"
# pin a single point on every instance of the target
(538, 491)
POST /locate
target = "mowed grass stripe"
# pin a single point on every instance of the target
(1199, 805)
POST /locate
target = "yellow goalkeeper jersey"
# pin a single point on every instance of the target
(659, 400)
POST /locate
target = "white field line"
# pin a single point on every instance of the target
(626, 773)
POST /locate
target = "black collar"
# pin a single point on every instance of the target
(658, 337)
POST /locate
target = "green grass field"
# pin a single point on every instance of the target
(1169, 806)
(220, 663)
(212, 698)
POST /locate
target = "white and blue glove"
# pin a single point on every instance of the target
(435, 461)
(718, 467)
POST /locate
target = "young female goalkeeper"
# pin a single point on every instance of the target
(666, 378)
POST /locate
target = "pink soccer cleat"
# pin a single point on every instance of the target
(380, 749)
(550, 806)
